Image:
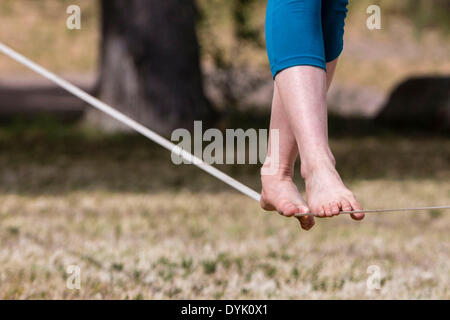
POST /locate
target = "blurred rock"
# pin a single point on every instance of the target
(421, 103)
(355, 101)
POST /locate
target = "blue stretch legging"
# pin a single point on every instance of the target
(304, 32)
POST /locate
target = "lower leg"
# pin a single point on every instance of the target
(303, 93)
(288, 150)
(279, 183)
(279, 192)
(331, 68)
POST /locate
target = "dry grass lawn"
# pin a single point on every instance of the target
(140, 227)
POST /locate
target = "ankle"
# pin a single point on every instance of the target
(280, 171)
(309, 168)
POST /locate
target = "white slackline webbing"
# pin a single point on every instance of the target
(384, 210)
(129, 122)
(156, 137)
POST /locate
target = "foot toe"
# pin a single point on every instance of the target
(302, 209)
(287, 209)
(335, 208)
(357, 216)
(318, 211)
(306, 222)
(329, 210)
(356, 207)
(345, 205)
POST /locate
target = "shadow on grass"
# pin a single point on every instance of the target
(47, 156)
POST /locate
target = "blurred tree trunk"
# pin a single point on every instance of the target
(150, 66)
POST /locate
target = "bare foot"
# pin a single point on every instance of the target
(281, 194)
(327, 195)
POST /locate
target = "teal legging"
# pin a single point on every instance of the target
(304, 32)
